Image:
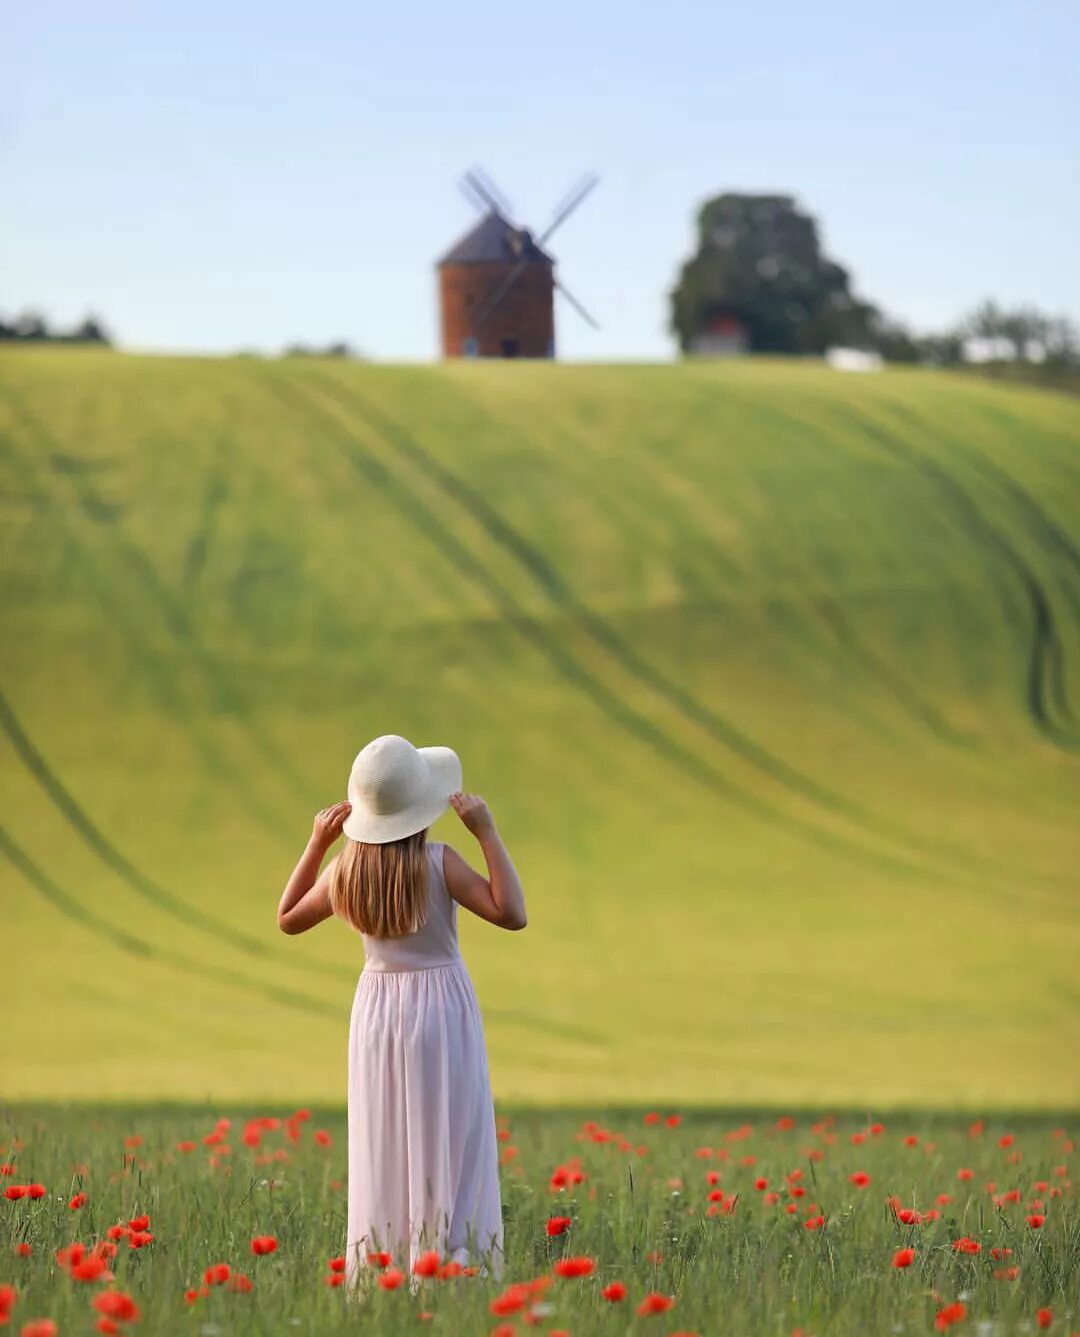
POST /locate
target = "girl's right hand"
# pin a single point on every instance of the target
(474, 812)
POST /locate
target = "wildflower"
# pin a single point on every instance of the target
(323, 1138)
(449, 1270)
(761, 1184)
(8, 1296)
(614, 1291)
(965, 1174)
(391, 1279)
(79, 1200)
(138, 1239)
(814, 1222)
(785, 1123)
(903, 1258)
(911, 1140)
(1044, 1317)
(139, 1223)
(502, 1330)
(427, 1265)
(654, 1303)
(1006, 1273)
(39, 1327)
(116, 1305)
(380, 1259)
(860, 1178)
(908, 1216)
(15, 1191)
(574, 1267)
(117, 1232)
(876, 1129)
(512, 1299)
(239, 1282)
(673, 1120)
(91, 1268)
(651, 1118)
(949, 1315)
(263, 1244)
(216, 1274)
(334, 1279)
(1006, 1140)
(185, 1146)
(1036, 1220)
(966, 1245)
(23, 1249)
(336, 1264)
(558, 1224)
(1000, 1252)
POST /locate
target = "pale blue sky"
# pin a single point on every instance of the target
(216, 176)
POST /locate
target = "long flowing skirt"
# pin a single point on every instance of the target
(423, 1155)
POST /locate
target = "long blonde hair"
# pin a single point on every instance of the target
(379, 889)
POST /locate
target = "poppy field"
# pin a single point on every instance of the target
(770, 676)
(649, 1222)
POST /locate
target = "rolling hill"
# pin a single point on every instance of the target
(770, 675)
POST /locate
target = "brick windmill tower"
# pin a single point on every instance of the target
(497, 284)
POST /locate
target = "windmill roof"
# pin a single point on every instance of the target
(494, 240)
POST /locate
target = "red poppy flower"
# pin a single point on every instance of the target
(673, 1120)
(652, 1118)
(949, 1315)
(391, 1279)
(185, 1146)
(558, 1224)
(323, 1137)
(512, 1299)
(1036, 1220)
(117, 1232)
(79, 1200)
(654, 1303)
(427, 1264)
(1044, 1317)
(39, 1327)
(911, 1140)
(761, 1184)
(107, 1326)
(139, 1222)
(263, 1244)
(239, 1282)
(785, 1122)
(116, 1305)
(876, 1129)
(216, 1274)
(965, 1174)
(138, 1239)
(380, 1259)
(574, 1267)
(860, 1178)
(614, 1291)
(1006, 1273)
(23, 1249)
(337, 1264)
(7, 1169)
(908, 1216)
(966, 1245)
(92, 1268)
(903, 1258)
(814, 1222)
(191, 1295)
(1000, 1252)
(8, 1296)
(449, 1271)
(15, 1191)
(334, 1279)
(1006, 1140)
(502, 1330)
(37, 1191)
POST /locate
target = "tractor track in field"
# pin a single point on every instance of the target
(304, 401)
(1047, 532)
(562, 597)
(161, 598)
(70, 906)
(115, 860)
(1045, 695)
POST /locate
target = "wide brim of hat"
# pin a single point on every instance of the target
(444, 779)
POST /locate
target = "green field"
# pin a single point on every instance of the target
(677, 1212)
(771, 676)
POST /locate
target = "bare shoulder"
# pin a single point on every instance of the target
(460, 876)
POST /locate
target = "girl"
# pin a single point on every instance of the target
(423, 1163)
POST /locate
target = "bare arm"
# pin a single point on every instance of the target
(305, 901)
(499, 898)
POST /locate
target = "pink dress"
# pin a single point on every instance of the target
(423, 1156)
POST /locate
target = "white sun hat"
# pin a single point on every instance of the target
(396, 789)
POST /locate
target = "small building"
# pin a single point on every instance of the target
(723, 335)
(497, 294)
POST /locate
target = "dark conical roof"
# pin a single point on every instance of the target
(495, 241)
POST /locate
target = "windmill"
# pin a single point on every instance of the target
(497, 284)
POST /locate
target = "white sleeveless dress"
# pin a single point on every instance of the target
(423, 1156)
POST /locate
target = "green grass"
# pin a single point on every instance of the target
(770, 675)
(641, 1214)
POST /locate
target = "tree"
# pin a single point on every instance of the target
(759, 260)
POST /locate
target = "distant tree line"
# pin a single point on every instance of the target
(30, 327)
(759, 271)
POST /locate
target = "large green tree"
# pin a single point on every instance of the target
(759, 261)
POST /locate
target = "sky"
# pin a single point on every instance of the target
(211, 177)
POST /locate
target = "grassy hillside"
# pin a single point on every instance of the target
(771, 675)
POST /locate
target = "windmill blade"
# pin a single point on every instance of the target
(576, 304)
(473, 195)
(569, 203)
(485, 190)
(499, 293)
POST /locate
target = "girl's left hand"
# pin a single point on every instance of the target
(328, 823)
